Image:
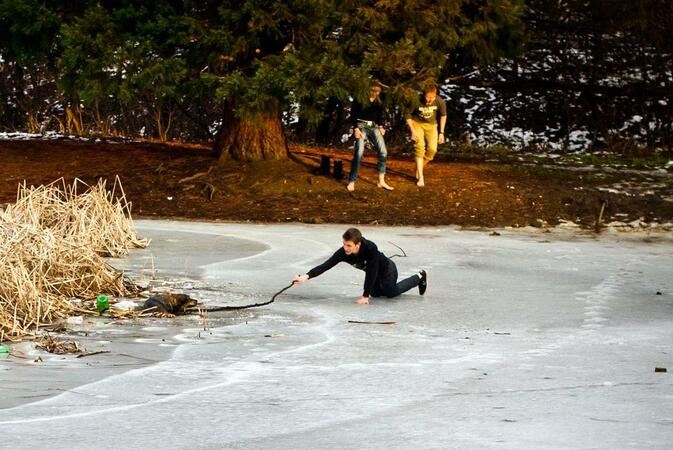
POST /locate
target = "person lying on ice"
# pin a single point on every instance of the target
(380, 271)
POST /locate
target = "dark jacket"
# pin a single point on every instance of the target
(371, 112)
(369, 258)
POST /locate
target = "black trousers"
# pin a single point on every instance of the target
(387, 285)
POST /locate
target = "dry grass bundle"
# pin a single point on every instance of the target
(51, 242)
(93, 216)
(58, 347)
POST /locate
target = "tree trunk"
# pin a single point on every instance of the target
(250, 138)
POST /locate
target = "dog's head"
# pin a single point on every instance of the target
(183, 302)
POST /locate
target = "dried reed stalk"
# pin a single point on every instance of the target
(51, 245)
(57, 346)
(96, 218)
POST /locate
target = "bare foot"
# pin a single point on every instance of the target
(384, 185)
(351, 186)
(420, 183)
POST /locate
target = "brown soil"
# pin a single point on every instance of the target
(468, 194)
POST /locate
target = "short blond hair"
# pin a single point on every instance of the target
(430, 88)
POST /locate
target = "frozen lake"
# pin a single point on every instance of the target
(523, 340)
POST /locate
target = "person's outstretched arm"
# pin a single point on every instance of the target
(335, 259)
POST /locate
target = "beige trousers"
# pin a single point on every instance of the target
(426, 140)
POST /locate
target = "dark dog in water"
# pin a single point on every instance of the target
(168, 305)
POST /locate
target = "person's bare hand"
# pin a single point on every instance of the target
(382, 130)
(357, 133)
(363, 301)
(413, 136)
(440, 139)
(299, 279)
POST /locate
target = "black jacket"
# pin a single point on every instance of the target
(372, 112)
(369, 258)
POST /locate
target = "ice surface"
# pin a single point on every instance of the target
(523, 340)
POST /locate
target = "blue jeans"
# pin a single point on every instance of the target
(373, 135)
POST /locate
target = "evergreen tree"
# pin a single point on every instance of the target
(236, 67)
(593, 74)
(28, 31)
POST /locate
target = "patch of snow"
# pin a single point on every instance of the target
(567, 224)
(75, 320)
(616, 224)
(125, 304)
(638, 223)
(17, 136)
(612, 190)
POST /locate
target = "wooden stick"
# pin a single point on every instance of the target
(82, 355)
(385, 322)
(599, 220)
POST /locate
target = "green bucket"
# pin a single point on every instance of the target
(102, 303)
